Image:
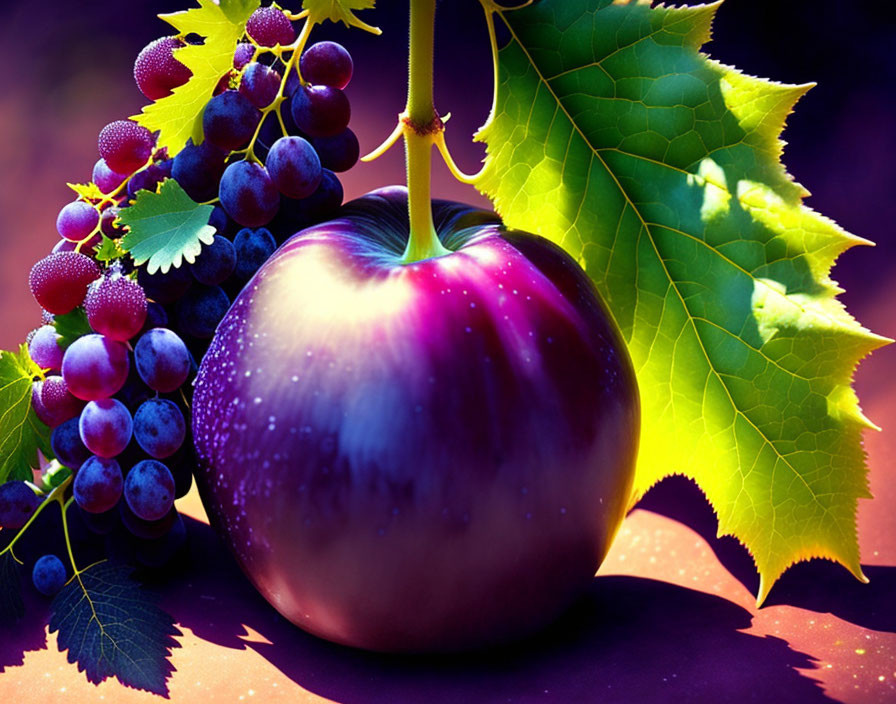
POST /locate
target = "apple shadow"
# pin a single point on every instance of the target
(817, 585)
(629, 639)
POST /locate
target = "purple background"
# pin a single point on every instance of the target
(67, 72)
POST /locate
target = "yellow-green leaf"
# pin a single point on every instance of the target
(165, 228)
(660, 170)
(87, 191)
(21, 433)
(222, 25)
(343, 11)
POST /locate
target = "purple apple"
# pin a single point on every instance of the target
(424, 457)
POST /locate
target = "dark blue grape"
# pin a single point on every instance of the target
(198, 170)
(162, 360)
(338, 153)
(146, 530)
(200, 311)
(327, 64)
(98, 484)
(294, 167)
(17, 503)
(67, 445)
(260, 84)
(149, 490)
(253, 248)
(229, 120)
(165, 288)
(159, 428)
(248, 194)
(181, 464)
(221, 222)
(320, 111)
(49, 575)
(156, 317)
(215, 262)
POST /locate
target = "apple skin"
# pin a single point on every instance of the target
(423, 458)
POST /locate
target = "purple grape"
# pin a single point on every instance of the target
(116, 306)
(105, 178)
(162, 360)
(17, 503)
(327, 64)
(67, 445)
(125, 145)
(156, 70)
(339, 152)
(149, 490)
(165, 288)
(44, 348)
(229, 120)
(146, 530)
(253, 248)
(215, 262)
(294, 167)
(49, 575)
(198, 170)
(269, 27)
(43, 415)
(260, 84)
(320, 111)
(59, 281)
(159, 428)
(95, 367)
(106, 427)
(321, 205)
(98, 485)
(107, 226)
(248, 194)
(200, 311)
(58, 402)
(77, 220)
(243, 55)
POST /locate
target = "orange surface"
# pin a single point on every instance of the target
(670, 617)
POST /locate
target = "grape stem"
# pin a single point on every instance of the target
(420, 125)
(55, 496)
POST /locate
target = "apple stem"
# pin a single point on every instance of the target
(421, 125)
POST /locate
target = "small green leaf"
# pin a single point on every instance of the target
(659, 170)
(71, 326)
(340, 11)
(21, 433)
(112, 627)
(12, 608)
(87, 191)
(108, 250)
(221, 26)
(166, 228)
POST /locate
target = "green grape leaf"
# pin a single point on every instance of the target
(178, 116)
(659, 170)
(12, 608)
(87, 191)
(108, 250)
(21, 433)
(71, 326)
(112, 627)
(165, 228)
(320, 11)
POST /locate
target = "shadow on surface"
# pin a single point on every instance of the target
(817, 585)
(629, 639)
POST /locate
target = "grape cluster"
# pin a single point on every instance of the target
(116, 393)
